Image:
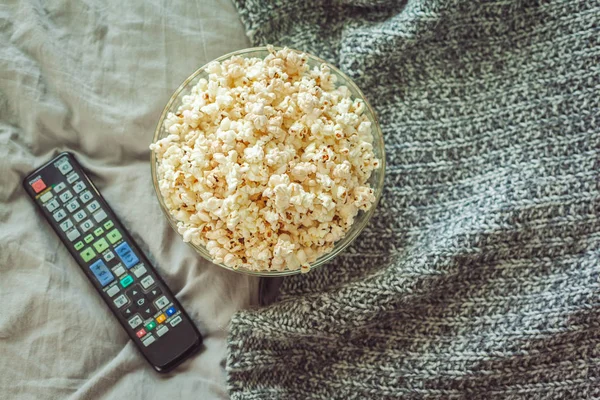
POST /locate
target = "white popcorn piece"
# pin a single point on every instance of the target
(266, 163)
(282, 197)
(254, 154)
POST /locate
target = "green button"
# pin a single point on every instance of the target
(114, 236)
(98, 231)
(126, 281)
(87, 254)
(79, 245)
(100, 245)
(150, 325)
(108, 225)
(88, 238)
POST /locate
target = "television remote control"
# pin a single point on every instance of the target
(113, 262)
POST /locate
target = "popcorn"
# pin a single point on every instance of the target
(266, 163)
(282, 197)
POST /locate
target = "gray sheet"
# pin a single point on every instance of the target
(92, 77)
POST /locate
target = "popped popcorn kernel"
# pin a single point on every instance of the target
(266, 162)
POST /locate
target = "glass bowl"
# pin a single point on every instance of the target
(375, 181)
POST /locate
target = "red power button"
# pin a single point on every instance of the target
(38, 185)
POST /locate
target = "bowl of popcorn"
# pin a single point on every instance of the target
(268, 161)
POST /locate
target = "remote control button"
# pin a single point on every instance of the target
(140, 333)
(87, 254)
(128, 312)
(86, 196)
(161, 318)
(147, 282)
(64, 166)
(141, 302)
(72, 206)
(139, 271)
(114, 236)
(150, 325)
(114, 289)
(147, 312)
(162, 302)
(87, 225)
(65, 226)
(100, 216)
(149, 340)
(119, 270)
(78, 187)
(66, 196)
(100, 245)
(53, 205)
(59, 215)
(170, 311)
(79, 245)
(137, 296)
(135, 292)
(46, 196)
(98, 231)
(162, 330)
(135, 322)
(79, 215)
(126, 281)
(102, 273)
(38, 185)
(120, 301)
(175, 320)
(126, 254)
(73, 234)
(154, 293)
(60, 187)
(93, 206)
(108, 225)
(72, 177)
(109, 255)
(89, 238)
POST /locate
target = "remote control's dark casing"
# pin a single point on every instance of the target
(182, 340)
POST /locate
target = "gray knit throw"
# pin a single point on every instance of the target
(478, 277)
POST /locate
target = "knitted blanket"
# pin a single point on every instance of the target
(478, 277)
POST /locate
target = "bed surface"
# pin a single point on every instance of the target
(92, 77)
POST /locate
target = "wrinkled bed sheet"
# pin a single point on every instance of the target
(92, 77)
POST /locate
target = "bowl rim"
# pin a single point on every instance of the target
(353, 234)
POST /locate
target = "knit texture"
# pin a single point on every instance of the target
(478, 276)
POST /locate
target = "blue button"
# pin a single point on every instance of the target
(127, 255)
(170, 311)
(102, 273)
